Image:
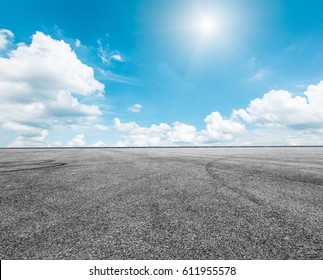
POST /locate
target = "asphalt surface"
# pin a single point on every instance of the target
(161, 203)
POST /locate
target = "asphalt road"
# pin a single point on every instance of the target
(162, 203)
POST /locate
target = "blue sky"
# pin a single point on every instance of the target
(150, 73)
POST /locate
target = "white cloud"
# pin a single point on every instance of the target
(99, 144)
(281, 118)
(116, 57)
(106, 55)
(30, 140)
(101, 127)
(47, 65)
(29, 135)
(68, 106)
(136, 108)
(38, 82)
(279, 107)
(13, 126)
(182, 133)
(219, 129)
(77, 43)
(143, 139)
(278, 136)
(77, 141)
(129, 126)
(141, 136)
(5, 37)
(103, 53)
(110, 76)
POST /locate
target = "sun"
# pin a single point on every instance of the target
(206, 30)
(206, 25)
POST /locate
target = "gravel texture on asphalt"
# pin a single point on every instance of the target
(161, 203)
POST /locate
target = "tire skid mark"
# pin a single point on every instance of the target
(217, 175)
(28, 165)
(256, 173)
(273, 161)
(275, 214)
(119, 162)
(6, 164)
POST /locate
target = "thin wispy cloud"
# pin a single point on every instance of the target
(77, 43)
(136, 108)
(106, 55)
(110, 76)
(101, 127)
(259, 76)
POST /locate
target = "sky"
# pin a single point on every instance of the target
(161, 73)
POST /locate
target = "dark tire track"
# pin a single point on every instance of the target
(218, 175)
(304, 179)
(278, 214)
(8, 167)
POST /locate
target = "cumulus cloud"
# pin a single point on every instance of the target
(39, 82)
(30, 140)
(48, 64)
(129, 126)
(77, 141)
(217, 130)
(5, 37)
(29, 136)
(136, 108)
(182, 133)
(281, 108)
(141, 136)
(281, 118)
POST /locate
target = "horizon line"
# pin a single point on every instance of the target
(181, 147)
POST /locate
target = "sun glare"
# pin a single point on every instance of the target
(206, 26)
(207, 29)
(209, 26)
